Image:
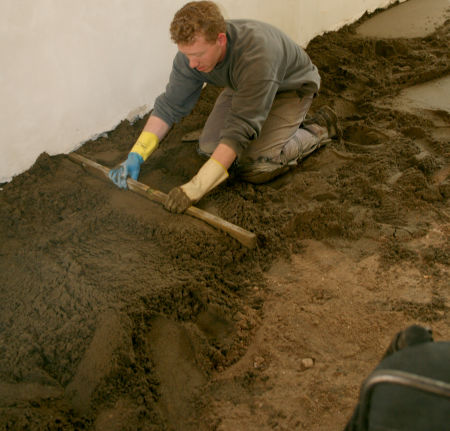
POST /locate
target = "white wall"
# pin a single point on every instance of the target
(72, 69)
(302, 19)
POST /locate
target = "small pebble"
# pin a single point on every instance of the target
(307, 363)
(258, 362)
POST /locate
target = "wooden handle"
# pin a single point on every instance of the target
(246, 238)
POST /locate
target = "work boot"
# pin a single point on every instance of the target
(260, 171)
(325, 117)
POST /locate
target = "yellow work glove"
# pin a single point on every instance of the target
(210, 175)
(145, 144)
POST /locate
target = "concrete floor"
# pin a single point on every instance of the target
(432, 95)
(414, 18)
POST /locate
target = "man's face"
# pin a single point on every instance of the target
(203, 55)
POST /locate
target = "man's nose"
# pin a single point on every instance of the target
(193, 63)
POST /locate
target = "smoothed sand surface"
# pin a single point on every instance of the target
(431, 95)
(414, 18)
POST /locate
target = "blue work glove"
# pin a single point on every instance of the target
(129, 168)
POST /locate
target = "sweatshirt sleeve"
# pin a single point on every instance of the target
(257, 74)
(181, 94)
(251, 105)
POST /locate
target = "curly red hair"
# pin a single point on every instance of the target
(194, 18)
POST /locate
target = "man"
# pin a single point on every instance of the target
(257, 123)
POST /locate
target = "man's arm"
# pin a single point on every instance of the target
(157, 126)
(225, 155)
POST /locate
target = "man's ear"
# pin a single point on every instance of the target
(222, 39)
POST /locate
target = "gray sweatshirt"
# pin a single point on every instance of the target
(260, 61)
